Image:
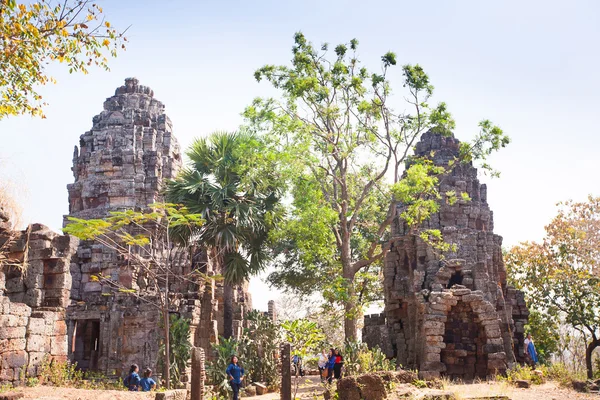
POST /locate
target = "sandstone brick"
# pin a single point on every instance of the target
(37, 326)
(16, 344)
(12, 333)
(58, 345)
(20, 309)
(38, 343)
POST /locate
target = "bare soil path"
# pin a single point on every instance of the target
(311, 386)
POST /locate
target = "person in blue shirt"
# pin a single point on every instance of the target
(146, 383)
(132, 381)
(235, 373)
(530, 352)
(330, 365)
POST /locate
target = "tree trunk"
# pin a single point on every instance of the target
(589, 351)
(167, 371)
(227, 310)
(350, 308)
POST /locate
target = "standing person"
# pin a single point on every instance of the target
(337, 366)
(132, 381)
(530, 352)
(330, 365)
(235, 373)
(322, 363)
(147, 383)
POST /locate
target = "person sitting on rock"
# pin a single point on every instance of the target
(146, 383)
(132, 381)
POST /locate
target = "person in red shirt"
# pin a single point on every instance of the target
(339, 362)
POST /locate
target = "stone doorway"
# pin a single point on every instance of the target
(465, 340)
(86, 344)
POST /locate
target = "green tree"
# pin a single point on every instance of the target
(545, 332)
(343, 149)
(238, 205)
(144, 240)
(559, 275)
(259, 348)
(35, 34)
(305, 338)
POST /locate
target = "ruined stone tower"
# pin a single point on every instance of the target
(453, 315)
(122, 163)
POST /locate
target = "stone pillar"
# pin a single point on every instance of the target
(272, 311)
(286, 372)
(70, 337)
(198, 374)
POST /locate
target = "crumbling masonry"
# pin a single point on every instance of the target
(454, 315)
(122, 163)
(50, 306)
(34, 293)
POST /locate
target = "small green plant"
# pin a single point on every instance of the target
(6, 387)
(522, 373)
(421, 384)
(59, 373)
(32, 381)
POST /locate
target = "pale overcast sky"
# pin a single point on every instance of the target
(530, 66)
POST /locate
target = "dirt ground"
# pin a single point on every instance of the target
(54, 393)
(547, 391)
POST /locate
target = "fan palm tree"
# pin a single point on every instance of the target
(238, 210)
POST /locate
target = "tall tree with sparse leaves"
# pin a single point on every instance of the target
(36, 34)
(345, 148)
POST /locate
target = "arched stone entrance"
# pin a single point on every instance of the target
(462, 336)
(465, 340)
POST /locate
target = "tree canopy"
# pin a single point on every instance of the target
(344, 148)
(35, 34)
(560, 275)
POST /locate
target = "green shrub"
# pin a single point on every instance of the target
(179, 346)
(32, 381)
(560, 373)
(215, 369)
(258, 349)
(359, 359)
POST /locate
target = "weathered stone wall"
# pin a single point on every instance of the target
(34, 291)
(428, 297)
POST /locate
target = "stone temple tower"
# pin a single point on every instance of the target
(452, 314)
(122, 163)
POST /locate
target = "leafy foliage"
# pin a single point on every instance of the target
(259, 347)
(341, 148)
(359, 359)
(180, 346)
(560, 275)
(215, 368)
(35, 34)
(545, 332)
(304, 336)
(239, 213)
